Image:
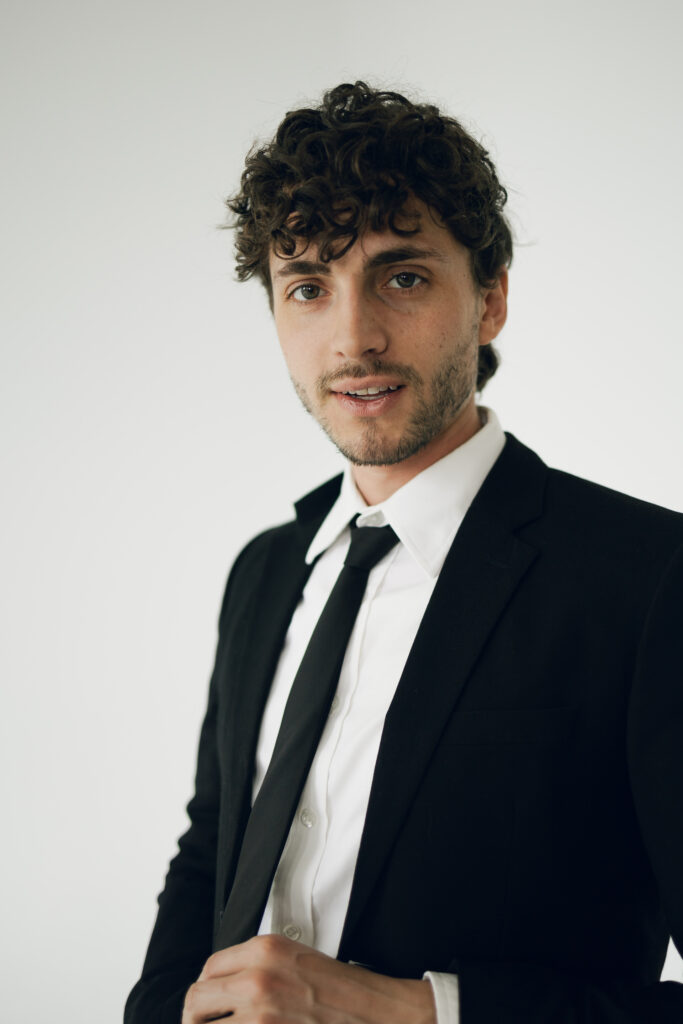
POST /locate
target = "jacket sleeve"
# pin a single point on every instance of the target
(524, 994)
(181, 940)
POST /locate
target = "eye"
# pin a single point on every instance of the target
(305, 292)
(405, 280)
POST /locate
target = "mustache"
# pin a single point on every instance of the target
(356, 371)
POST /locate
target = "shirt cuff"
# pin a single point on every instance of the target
(446, 996)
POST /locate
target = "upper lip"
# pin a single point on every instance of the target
(357, 384)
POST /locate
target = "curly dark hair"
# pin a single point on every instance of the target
(352, 164)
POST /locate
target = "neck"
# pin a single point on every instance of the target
(377, 483)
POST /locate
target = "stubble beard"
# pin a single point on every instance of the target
(438, 405)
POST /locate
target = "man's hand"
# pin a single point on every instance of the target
(272, 980)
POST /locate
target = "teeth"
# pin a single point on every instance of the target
(373, 391)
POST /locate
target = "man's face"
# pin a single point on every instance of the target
(382, 345)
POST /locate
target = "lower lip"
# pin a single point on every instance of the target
(374, 406)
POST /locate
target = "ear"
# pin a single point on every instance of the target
(494, 309)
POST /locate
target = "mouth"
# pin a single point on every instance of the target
(371, 392)
(371, 400)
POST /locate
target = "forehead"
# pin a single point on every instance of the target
(428, 240)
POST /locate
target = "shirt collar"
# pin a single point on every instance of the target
(427, 511)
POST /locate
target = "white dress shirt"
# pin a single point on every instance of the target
(312, 885)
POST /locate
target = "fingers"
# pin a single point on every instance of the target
(240, 979)
(262, 979)
(206, 1001)
(260, 951)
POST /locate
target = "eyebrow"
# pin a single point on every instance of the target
(397, 254)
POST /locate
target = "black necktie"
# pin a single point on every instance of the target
(302, 724)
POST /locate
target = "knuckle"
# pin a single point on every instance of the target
(269, 945)
(211, 967)
(260, 982)
(189, 1006)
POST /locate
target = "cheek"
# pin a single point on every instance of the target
(300, 361)
(434, 334)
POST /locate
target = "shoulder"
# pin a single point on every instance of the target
(614, 517)
(596, 548)
(284, 543)
(251, 562)
(586, 504)
(624, 540)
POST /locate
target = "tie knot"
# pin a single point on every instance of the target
(369, 544)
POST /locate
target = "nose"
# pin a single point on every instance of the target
(358, 330)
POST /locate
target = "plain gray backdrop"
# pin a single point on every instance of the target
(148, 424)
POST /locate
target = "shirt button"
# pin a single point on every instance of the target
(307, 818)
(334, 706)
(292, 931)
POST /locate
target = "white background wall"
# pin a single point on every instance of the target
(147, 425)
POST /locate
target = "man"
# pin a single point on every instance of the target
(488, 824)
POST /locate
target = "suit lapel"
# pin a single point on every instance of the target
(484, 567)
(279, 576)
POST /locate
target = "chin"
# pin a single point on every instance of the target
(378, 451)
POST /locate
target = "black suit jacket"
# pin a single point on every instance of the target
(525, 824)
